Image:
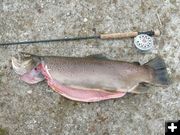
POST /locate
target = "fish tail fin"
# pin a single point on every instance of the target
(161, 76)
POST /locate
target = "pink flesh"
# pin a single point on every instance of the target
(32, 77)
(79, 94)
(83, 95)
(28, 78)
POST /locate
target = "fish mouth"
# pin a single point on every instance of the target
(22, 63)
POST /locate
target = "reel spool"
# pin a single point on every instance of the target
(144, 42)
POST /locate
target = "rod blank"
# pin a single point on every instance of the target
(50, 40)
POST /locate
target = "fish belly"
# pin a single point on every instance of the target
(83, 95)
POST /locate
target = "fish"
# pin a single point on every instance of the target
(92, 78)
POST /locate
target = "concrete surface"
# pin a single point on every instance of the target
(37, 110)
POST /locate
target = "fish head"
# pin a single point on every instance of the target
(22, 63)
(28, 67)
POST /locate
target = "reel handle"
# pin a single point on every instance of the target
(129, 34)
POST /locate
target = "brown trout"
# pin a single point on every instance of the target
(90, 78)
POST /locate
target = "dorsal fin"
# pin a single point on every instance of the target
(137, 63)
(97, 56)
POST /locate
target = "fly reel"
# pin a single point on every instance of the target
(144, 42)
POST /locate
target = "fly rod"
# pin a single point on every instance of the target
(101, 36)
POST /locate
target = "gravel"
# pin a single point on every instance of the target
(37, 110)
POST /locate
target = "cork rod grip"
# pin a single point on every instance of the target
(118, 35)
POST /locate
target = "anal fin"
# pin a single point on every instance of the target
(142, 88)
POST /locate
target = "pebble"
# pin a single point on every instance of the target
(29, 91)
(68, 14)
(85, 20)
